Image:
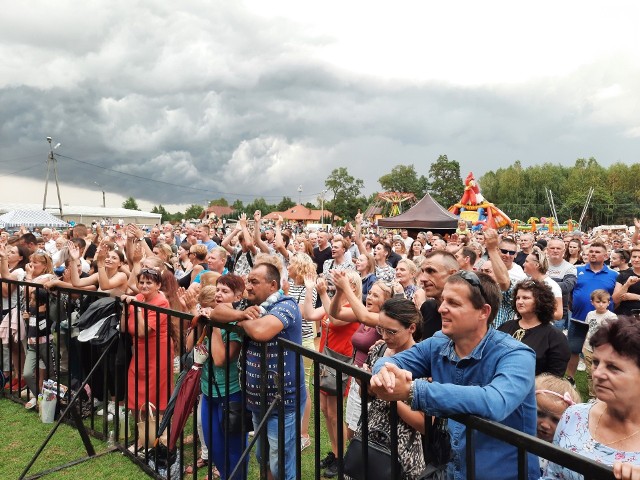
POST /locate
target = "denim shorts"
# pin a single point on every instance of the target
(291, 442)
(577, 334)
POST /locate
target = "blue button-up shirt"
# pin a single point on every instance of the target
(496, 382)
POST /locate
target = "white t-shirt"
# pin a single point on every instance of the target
(516, 273)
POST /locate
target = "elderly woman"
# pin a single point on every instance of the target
(534, 303)
(406, 273)
(607, 431)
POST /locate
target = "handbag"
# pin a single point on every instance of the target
(437, 450)
(147, 428)
(328, 380)
(380, 462)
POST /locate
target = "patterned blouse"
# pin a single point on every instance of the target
(573, 434)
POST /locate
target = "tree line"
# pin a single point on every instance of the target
(520, 192)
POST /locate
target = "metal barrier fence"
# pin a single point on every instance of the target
(95, 374)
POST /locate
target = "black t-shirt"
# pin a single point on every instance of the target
(549, 344)
(626, 307)
(431, 319)
(520, 258)
(393, 259)
(91, 252)
(320, 256)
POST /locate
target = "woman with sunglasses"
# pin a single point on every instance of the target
(399, 326)
(534, 305)
(151, 340)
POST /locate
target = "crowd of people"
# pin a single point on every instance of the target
(476, 321)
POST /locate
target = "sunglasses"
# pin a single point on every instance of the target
(473, 280)
(152, 272)
(508, 252)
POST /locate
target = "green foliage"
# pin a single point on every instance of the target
(238, 206)
(219, 202)
(310, 206)
(346, 191)
(445, 184)
(520, 191)
(130, 204)
(259, 204)
(162, 211)
(193, 211)
(403, 178)
(285, 204)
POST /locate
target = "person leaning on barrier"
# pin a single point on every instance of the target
(269, 317)
(475, 370)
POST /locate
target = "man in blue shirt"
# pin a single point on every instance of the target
(592, 276)
(282, 319)
(474, 369)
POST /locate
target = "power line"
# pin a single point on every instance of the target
(140, 177)
(24, 169)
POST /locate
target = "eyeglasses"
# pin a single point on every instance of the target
(473, 280)
(151, 272)
(386, 331)
(508, 252)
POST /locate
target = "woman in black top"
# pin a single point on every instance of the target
(626, 295)
(534, 304)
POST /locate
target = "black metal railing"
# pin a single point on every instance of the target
(94, 375)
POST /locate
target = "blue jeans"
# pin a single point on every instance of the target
(291, 442)
(214, 437)
(576, 336)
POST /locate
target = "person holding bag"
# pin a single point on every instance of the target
(336, 339)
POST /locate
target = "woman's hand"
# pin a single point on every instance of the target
(3, 251)
(358, 218)
(257, 216)
(187, 298)
(127, 298)
(321, 286)
(340, 280)
(74, 252)
(626, 471)
(28, 268)
(101, 254)
(310, 281)
(242, 221)
(136, 257)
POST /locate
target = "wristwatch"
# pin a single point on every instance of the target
(412, 390)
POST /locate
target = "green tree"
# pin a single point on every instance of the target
(130, 204)
(162, 211)
(285, 204)
(310, 206)
(404, 178)
(445, 184)
(259, 204)
(219, 202)
(238, 206)
(193, 211)
(345, 189)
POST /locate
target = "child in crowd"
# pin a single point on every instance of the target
(39, 344)
(600, 300)
(553, 396)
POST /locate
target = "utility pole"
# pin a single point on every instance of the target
(104, 203)
(322, 206)
(299, 194)
(52, 160)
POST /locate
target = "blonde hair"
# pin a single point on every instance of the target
(356, 281)
(207, 294)
(209, 278)
(200, 251)
(557, 385)
(271, 260)
(166, 250)
(371, 263)
(411, 266)
(303, 264)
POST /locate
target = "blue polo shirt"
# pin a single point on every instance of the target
(588, 281)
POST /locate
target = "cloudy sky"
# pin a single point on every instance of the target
(256, 97)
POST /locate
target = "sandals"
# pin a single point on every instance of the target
(201, 463)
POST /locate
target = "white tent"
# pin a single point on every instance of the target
(30, 219)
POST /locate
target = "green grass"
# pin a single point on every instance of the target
(22, 434)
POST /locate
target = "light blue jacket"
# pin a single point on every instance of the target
(496, 382)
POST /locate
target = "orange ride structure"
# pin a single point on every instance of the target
(473, 208)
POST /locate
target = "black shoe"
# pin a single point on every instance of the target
(328, 460)
(331, 470)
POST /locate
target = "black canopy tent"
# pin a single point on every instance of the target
(427, 214)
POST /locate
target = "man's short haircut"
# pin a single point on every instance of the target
(600, 294)
(490, 293)
(470, 252)
(80, 230)
(206, 227)
(29, 238)
(598, 244)
(447, 259)
(509, 240)
(81, 243)
(272, 274)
